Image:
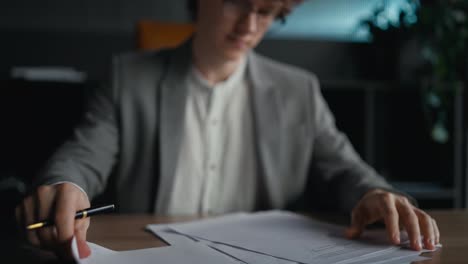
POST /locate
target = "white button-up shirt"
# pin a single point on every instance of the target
(216, 166)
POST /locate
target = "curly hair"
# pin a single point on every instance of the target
(287, 8)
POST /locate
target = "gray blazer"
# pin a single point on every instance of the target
(129, 139)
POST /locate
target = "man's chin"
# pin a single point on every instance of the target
(234, 55)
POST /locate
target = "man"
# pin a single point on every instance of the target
(212, 127)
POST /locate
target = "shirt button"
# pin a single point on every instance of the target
(214, 122)
(213, 167)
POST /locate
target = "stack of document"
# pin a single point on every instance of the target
(284, 238)
(274, 237)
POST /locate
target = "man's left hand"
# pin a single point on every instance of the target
(394, 210)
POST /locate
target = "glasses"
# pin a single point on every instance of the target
(242, 8)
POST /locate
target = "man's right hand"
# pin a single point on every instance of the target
(60, 203)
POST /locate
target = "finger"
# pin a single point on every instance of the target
(45, 198)
(411, 223)
(28, 209)
(436, 232)
(82, 224)
(427, 229)
(391, 218)
(65, 214)
(63, 249)
(358, 223)
(80, 233)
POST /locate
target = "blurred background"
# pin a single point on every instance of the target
(393, 72)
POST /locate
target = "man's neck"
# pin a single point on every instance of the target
(213, 69)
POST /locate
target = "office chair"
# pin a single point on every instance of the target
(154, 35)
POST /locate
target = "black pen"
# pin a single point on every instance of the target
(80, 214)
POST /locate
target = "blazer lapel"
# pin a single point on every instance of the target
(267, 124)
(172, 113)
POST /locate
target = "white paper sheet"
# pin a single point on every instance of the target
(173, 238)
(280, 234)
(190, 253)
(396, 256)
(287, 236)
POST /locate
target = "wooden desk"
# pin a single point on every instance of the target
(125, 232)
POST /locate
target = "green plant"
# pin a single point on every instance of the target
(443, 32)
(441, 28)
(383, 28)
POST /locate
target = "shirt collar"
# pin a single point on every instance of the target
(232, 81)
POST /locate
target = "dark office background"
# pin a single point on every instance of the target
(376, 102)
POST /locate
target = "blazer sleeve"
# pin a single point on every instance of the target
(87, 158)
(334, 160)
